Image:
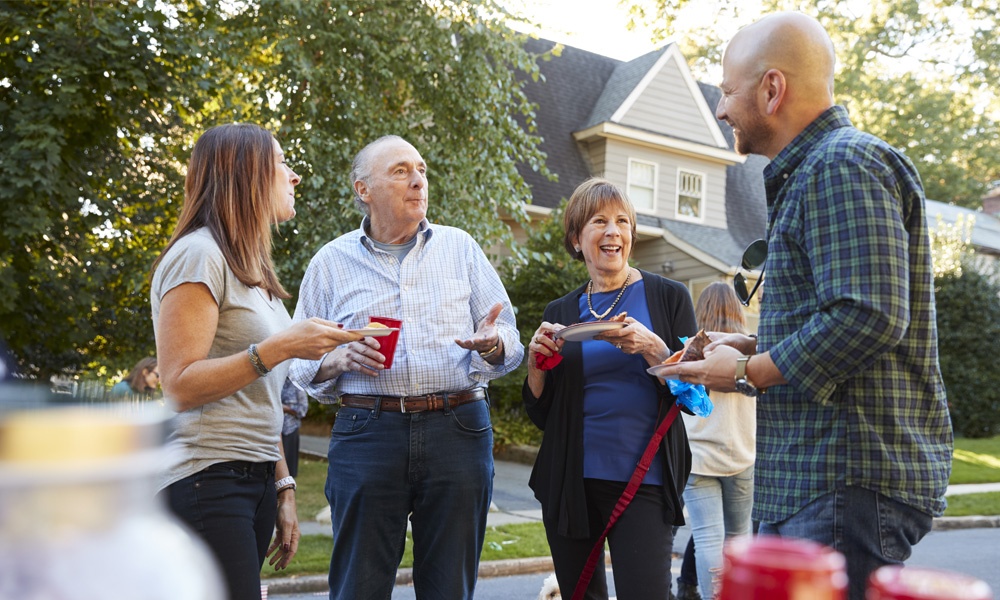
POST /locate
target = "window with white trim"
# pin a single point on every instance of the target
(690, 195)
(642, 184)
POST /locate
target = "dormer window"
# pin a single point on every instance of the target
(690, 195)
(642, 184)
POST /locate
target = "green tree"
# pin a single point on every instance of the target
(100, 104)
(919, 73)
(544, 273)
(89, 130)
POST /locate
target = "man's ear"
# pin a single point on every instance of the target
(361, 189)
(772, 91)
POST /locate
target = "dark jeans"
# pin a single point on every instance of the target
(641, 542)
(434, 468)
(232, 506)
(869, 529)
(290, 442)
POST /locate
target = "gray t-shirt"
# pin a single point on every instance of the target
(246, 425)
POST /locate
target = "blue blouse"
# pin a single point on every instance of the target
(619, 403)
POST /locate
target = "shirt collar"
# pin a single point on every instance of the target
(424, 230)
(779, 169)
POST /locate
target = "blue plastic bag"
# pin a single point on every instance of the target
(691, 395)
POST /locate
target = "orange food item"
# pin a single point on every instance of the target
(374, 324)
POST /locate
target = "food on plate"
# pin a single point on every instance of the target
(694, 349)
(373, 325)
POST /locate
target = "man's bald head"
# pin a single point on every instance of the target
(793, 43)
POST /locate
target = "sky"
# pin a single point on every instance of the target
(598, 26)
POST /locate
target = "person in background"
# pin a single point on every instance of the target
(598, 407)
(854, 439)
(687, 581)
(719, 492)
(223, 339)
(142, 379)
(414, 440)
(295, 405)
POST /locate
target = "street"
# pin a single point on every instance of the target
(974, 552)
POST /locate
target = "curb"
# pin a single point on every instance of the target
(304, 584)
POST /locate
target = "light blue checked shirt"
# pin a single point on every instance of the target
(442, 291)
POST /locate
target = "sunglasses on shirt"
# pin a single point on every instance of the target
(753, 258)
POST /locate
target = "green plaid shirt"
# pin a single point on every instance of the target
(848, 317)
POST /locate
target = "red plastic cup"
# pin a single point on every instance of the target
(776, 568)
(898, 583)
(387, 344)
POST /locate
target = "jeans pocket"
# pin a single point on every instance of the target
(900, 527)
(351, 421)
(473, 417)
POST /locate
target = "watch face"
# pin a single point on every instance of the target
(745, 387)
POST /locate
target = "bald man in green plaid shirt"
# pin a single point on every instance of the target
(854, 439)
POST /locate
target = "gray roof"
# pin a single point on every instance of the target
(566, 93)
(623, 81)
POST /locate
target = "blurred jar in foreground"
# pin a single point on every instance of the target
(78, 515)
(909, 583)
(776, 568)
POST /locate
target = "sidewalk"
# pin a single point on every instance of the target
(513, 502)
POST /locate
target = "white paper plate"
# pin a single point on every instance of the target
(375, 331)
(586, 331)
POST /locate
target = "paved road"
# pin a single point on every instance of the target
(973, 551)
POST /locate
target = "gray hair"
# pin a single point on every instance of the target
(361, 168)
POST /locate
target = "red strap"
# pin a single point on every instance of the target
(624, 500)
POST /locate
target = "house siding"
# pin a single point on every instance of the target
(616, 159)
(668, 91)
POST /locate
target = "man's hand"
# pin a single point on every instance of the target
(487, 337)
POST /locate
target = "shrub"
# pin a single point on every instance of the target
(968, 318)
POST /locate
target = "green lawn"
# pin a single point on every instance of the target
(975, 461)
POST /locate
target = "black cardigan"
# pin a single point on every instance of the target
(557, 477)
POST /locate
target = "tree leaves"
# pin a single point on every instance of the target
(100, 104)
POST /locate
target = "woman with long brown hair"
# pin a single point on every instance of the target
(719, 492)
(223, 338)
(142, 379)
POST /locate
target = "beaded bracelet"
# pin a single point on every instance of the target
(258, 364)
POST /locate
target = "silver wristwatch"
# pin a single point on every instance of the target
(743, 383)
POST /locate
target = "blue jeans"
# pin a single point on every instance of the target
(869, 529)
(437, 465)
(232, 506)
(718, 508)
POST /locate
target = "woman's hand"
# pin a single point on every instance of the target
(310, 339)
(542, 345)
(635, 338)
(286, 532)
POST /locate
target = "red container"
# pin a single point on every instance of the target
(776, 568)
(910, 583)
(387, 344)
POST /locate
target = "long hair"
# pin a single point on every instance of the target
(589, 197)
(137, 376)
(719, 309)
(230, 190)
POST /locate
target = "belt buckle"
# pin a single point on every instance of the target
(402, 404)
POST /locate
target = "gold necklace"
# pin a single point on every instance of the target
(590, 287)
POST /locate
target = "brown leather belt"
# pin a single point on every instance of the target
(408, 404)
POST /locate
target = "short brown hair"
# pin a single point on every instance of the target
(589, 197)
(230, 190)
(137, 376)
